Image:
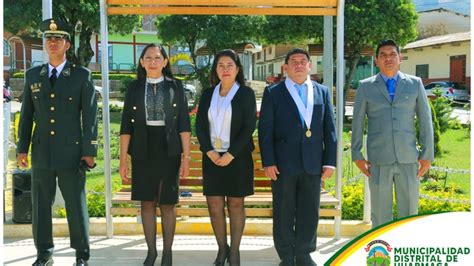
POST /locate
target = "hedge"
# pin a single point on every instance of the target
(443, 199)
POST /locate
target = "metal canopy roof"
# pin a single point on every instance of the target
(224, 7)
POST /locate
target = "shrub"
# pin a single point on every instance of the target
(443, 110)
(60, 212)
(96, 201)
(455, 124)
(435, 186)
(125, 83)
(193, 125)
(112, 108)
(436, 130)
(456, 200)
(353, 200)
(192, 117)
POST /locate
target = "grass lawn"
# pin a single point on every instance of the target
(96, 177)
(456, 147)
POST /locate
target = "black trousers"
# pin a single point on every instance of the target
(295, 214)
(72, 185)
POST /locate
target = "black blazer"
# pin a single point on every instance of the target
(71, 105)
(282, 135)
(134, 118)
(242, 122)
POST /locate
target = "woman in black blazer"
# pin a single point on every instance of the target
(225, 123)
(156, 132)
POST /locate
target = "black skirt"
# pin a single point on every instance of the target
(233, 180)
(157, 177)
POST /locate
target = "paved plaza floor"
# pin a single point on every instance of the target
(187, 250)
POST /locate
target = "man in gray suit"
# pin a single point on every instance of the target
(391, 100)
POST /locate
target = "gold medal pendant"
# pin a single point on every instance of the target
(218, 144)
(308, 133)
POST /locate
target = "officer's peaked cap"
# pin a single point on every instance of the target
(55, 28)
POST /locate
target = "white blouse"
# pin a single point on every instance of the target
(224, 131)
(220, 116)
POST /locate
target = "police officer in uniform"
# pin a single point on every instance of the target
(59, 98)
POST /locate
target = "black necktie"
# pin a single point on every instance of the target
(53, 77)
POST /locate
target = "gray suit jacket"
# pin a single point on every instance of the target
(391, 125)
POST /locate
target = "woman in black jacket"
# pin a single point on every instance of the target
(225, 123)
(155, 131)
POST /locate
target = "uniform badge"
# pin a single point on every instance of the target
(66, 72)
(53, 26)
(44, 71)
(35, 87)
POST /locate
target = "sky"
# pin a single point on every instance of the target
(460, 6)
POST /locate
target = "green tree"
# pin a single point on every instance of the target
(366, 23)
(23, 17)
(370, 21)
(293, 29)
(436, 131)
(215, 32)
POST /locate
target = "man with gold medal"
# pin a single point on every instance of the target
(297, 140)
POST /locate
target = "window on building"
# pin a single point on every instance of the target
(111, 61)
(139, 49)
(270, 50)
(270, 69)
(6, 48)
(259, 55)
(422, 71)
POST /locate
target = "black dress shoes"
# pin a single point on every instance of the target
(43, 262)
(305, 261)
(150, 258)
(81, 262)
(220, 260)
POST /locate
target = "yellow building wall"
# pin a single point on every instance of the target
(437, 59)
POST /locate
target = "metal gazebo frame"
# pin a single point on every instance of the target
(326, 8)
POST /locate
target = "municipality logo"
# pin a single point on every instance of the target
(378, 253)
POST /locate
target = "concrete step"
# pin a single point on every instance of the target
(198, 226)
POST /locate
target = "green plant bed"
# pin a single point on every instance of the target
(95, 199)
(95, 179)
(353, 200)
(458, 199)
